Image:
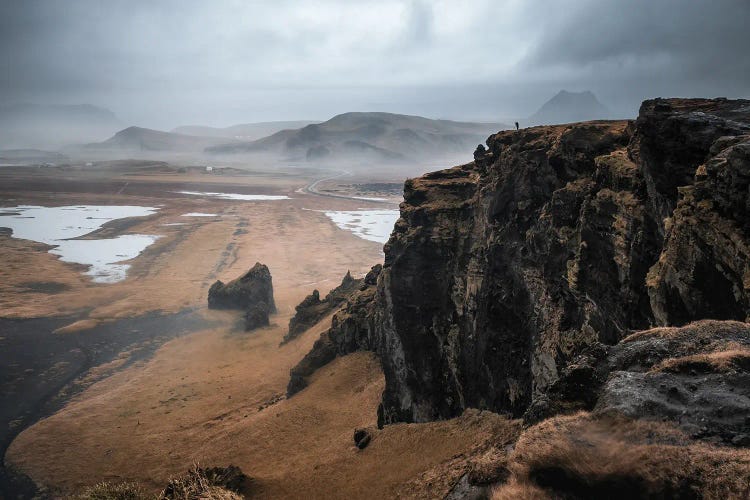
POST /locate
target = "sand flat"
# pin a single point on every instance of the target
(217, 395)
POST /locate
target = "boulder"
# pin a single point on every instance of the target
(697, 376)
(362, 438)
(252, 292)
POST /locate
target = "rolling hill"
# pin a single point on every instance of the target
(144, 139)
(245, 131)
(370, 136)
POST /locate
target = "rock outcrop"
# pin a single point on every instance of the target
(555, 243)
(252, 292)
(352, 329)
(312, 309)
(697, 376)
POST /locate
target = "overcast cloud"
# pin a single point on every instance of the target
(166, 63)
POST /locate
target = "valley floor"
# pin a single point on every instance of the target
(213, 394)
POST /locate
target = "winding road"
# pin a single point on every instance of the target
(312, 189)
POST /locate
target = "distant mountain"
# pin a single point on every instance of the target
(52, 126)
(144, 139)
(245, 131)
(568, 107)
(370, 137)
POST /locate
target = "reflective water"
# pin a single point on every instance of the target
(57, 225)
(236, 196)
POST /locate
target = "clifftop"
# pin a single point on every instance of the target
(500, 273)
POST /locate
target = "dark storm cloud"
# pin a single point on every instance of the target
(684, 45)
(171, 62)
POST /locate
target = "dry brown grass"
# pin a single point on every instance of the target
(714, 362)
(197, 484)
(112, 491)
(580, 456)
(698, 330)
(514, 490)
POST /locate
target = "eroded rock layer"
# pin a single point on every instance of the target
(556, 239)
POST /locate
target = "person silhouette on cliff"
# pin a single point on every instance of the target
(516, 126)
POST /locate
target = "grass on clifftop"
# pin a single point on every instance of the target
(196, 484)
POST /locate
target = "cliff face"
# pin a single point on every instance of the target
(499, 273)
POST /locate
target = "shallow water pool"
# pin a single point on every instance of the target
(235, 196)
(58, 226)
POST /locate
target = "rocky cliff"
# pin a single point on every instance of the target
(555, 241)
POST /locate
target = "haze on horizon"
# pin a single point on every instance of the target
(173, 63)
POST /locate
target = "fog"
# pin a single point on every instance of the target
(170, 63)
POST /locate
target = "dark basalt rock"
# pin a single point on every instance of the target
(507, 280)
(256, 316)
(483, 292)
(362, 438)
(251, 292)
(674, 136)
(312, 309)
(697, 376)
(351, 330)
(704, 268)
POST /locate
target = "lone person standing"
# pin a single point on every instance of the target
(516, 126)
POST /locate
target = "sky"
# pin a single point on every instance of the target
(167, 63)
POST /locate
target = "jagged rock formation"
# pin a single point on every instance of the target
(696, 375)
(252, 292)
(350, 331)
(555, 240)
(311, 310)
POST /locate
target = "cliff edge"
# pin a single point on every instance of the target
(501, 273)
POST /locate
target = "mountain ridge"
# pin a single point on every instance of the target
(243, 131)
(372, 135)
(145, 139)
(570, 107)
